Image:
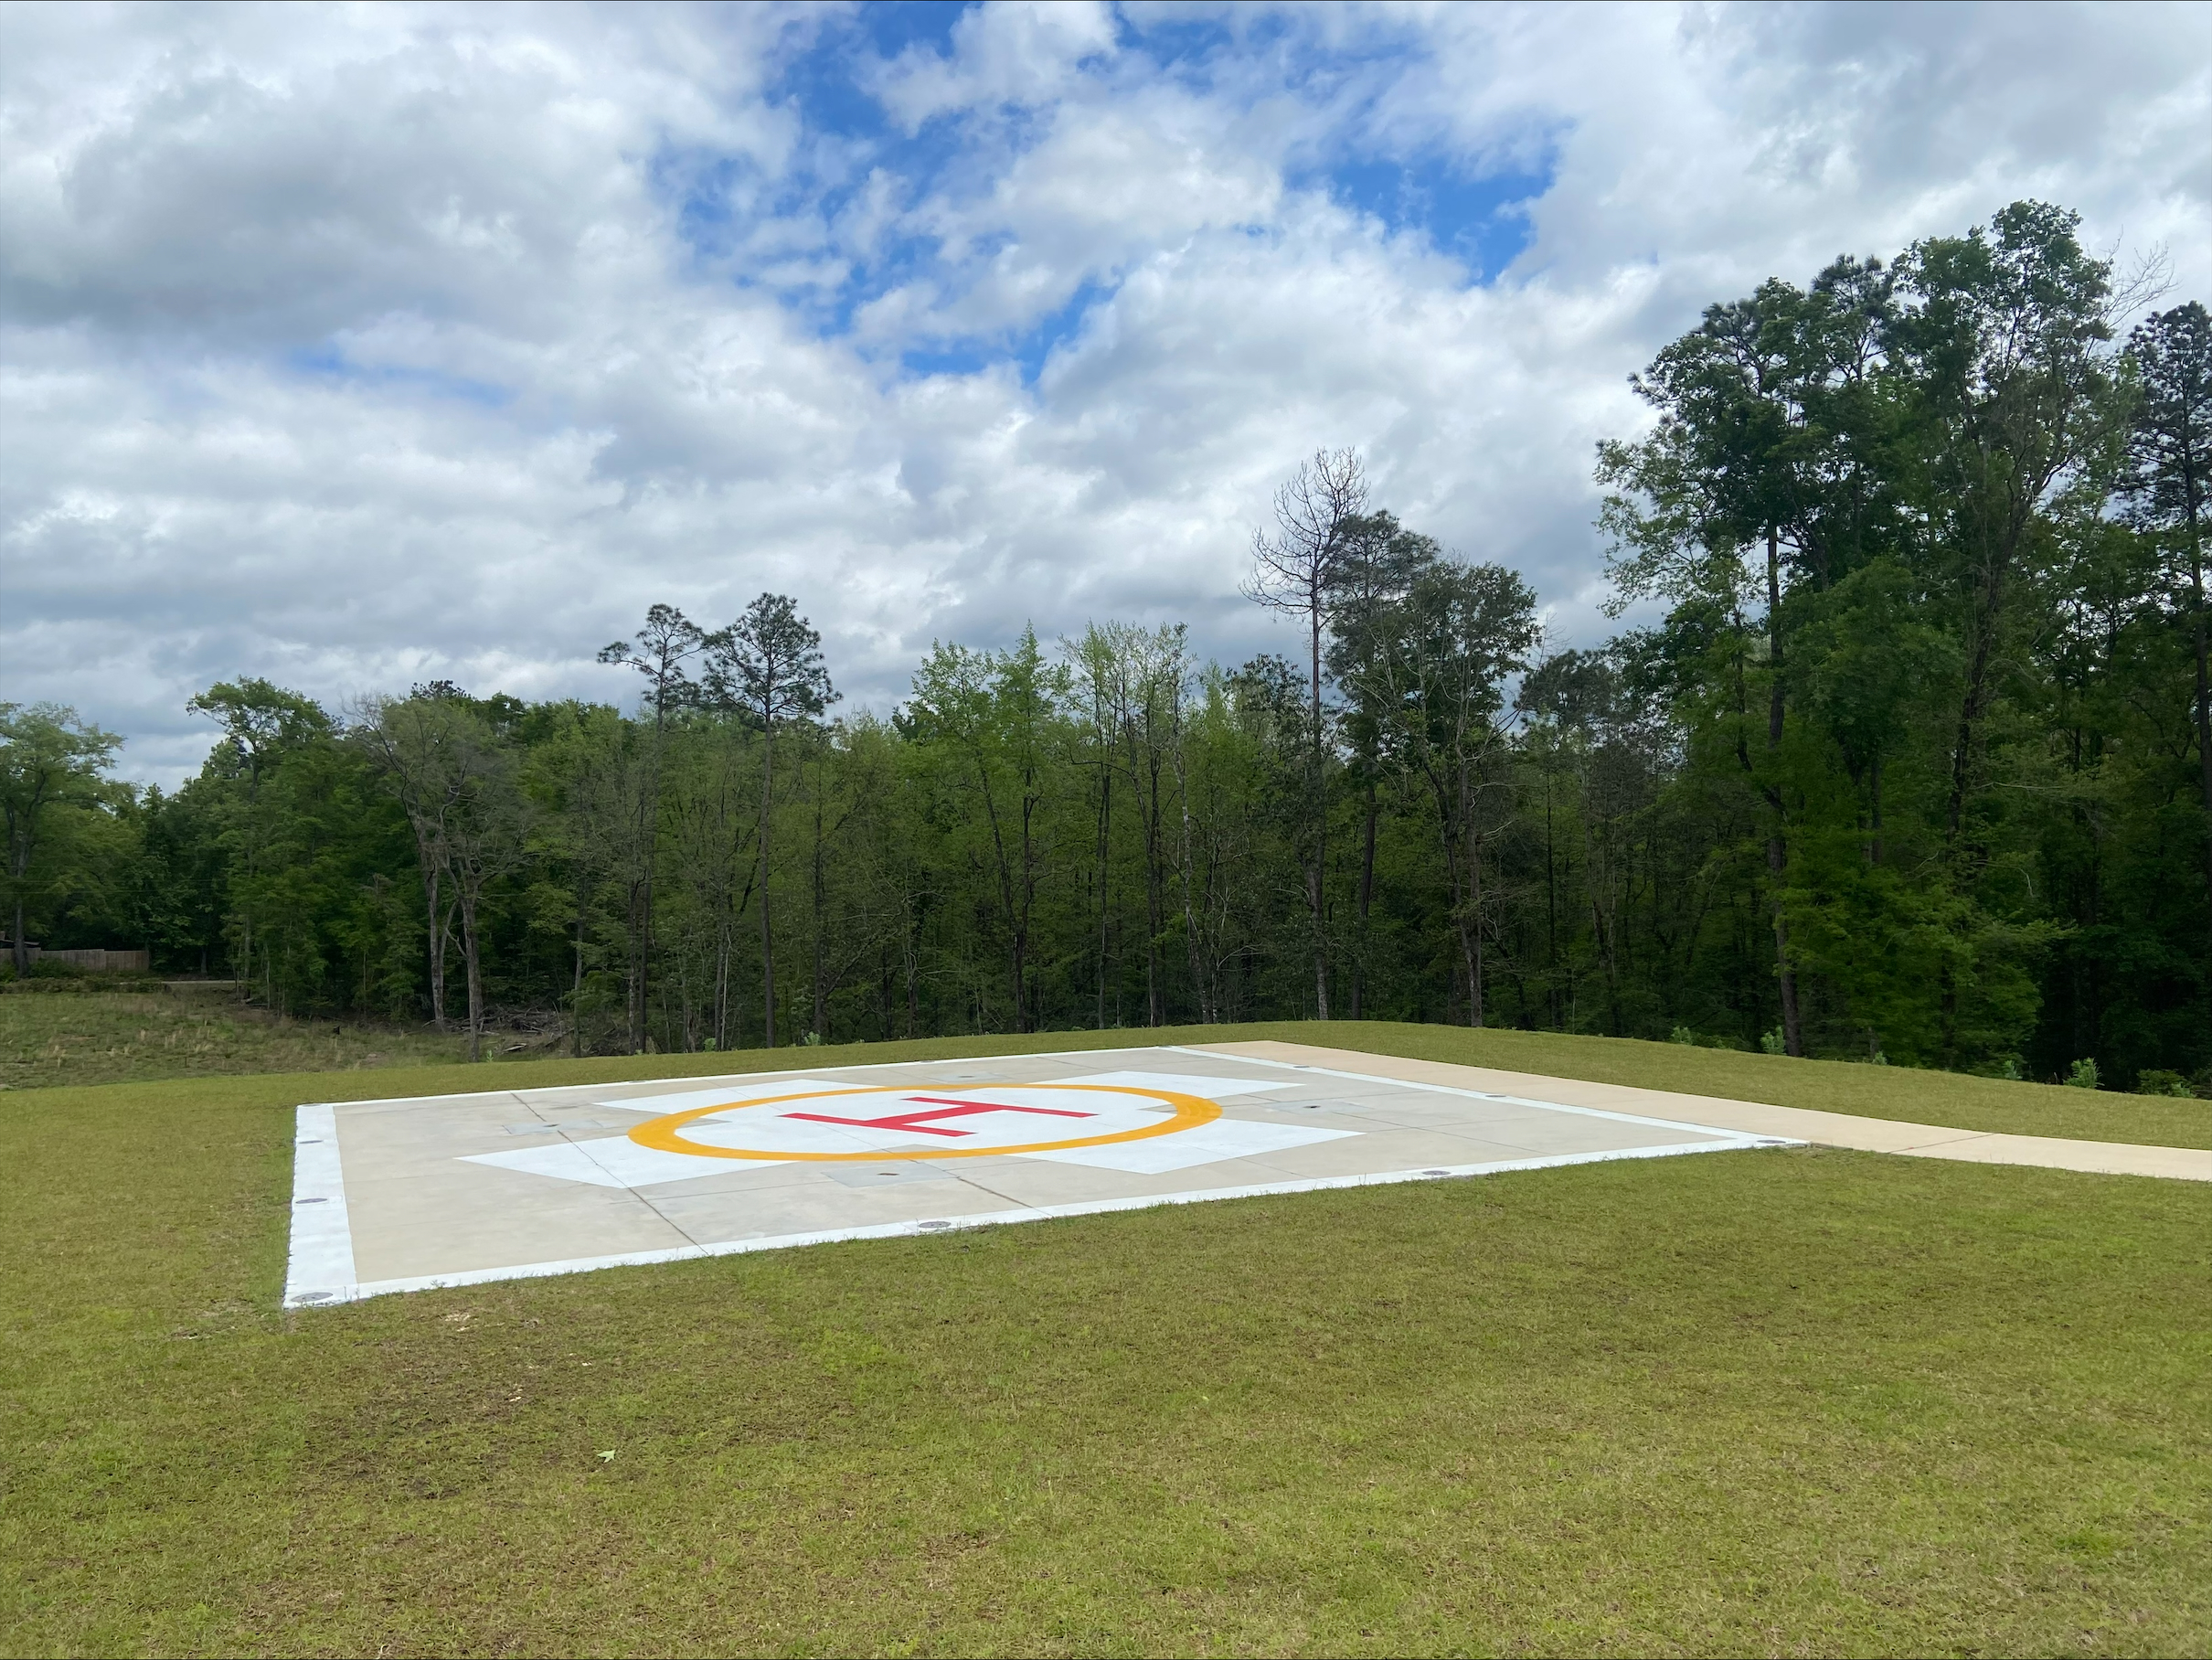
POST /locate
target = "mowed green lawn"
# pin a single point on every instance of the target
(1795, 1401)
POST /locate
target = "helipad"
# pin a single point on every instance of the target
(395, 1195)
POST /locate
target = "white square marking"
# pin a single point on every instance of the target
(1208, 1144)
(613, 1160)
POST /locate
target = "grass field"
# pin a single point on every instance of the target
(1800, 1401)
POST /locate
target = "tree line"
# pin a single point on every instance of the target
(1908, 757)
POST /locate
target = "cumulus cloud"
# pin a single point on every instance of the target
(1022, 52)
(365, 345)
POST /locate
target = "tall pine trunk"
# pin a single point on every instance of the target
(1320, 807)
(2203, 682)
(1149, 811)
(768, 938)
(1471, 930)
(576, 990)
(1105, 884)
(473, 961)
(1200, 980)
(821, 1027)
(1366, 901)
(1450, 828)
(437, 949)
(1792, 1030)
(1026, 894)
(1474, 903)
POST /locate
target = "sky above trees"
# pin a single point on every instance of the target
(366, 347)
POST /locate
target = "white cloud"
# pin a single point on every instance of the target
(1024, 52)
(355, 347)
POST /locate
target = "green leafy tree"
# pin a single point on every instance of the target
(768, 666)
(263, 725)
(658, 654)
(460, 786)
(1459, 633)
(1759, 484)
(2000, 333)
(984, 726)
(2170, 457)
(1368, 586)
(50, 763)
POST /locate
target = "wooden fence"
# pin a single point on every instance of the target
(97, 960)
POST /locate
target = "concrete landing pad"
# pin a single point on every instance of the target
(392, 1196)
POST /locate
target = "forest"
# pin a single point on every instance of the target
(1907, 759)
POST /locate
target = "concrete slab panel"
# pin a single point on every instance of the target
(402, 1195)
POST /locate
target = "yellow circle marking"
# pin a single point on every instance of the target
(665, 1133)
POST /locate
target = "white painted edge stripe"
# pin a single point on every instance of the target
(1745, 1137)
(321, 1267)
(889, 1230)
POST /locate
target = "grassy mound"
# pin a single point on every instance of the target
(117, 1036)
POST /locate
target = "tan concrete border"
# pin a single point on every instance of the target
(1796, 1124)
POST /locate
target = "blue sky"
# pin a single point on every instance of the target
(358, 347)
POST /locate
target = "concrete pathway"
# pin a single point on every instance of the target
(1795, 1124)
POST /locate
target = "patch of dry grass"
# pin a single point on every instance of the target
(121, 1037)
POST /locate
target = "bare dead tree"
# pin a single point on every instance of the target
(1316, 512)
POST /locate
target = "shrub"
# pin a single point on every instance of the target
(1774, 1042)
(2083, 1076)
(2157, 1080)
